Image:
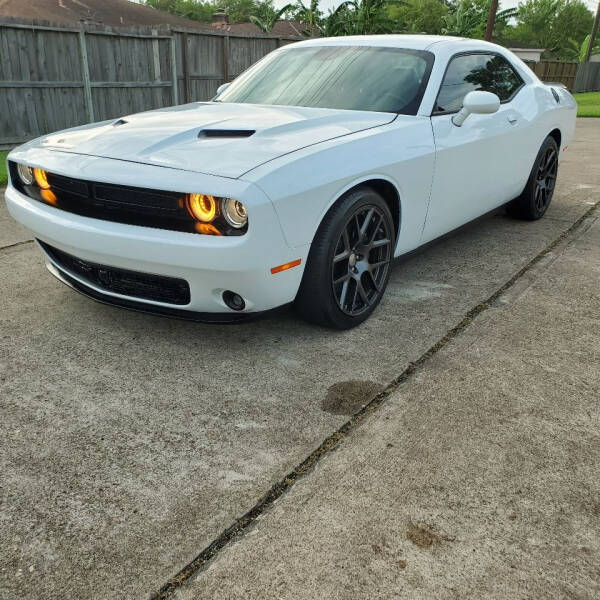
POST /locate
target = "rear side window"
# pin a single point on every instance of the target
(469, 72)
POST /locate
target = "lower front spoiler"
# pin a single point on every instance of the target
(162, 311)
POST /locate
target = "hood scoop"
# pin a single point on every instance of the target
(226, 133)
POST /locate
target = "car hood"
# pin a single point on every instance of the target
(213, 138)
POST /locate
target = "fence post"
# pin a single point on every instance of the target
(225, 58)
(175, 84)
(185, 41)
(85, 72)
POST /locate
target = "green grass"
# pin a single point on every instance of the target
(588, 104)
(3, 174)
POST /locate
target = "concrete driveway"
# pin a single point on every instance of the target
(130, 442)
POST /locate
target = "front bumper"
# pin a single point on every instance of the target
(209, 264)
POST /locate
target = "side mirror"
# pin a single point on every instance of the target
(477, 103)
(222, 88)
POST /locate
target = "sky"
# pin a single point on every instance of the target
(327, 4)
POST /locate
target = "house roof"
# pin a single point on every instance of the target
(283, 28)
(516, 44)
(114, 13)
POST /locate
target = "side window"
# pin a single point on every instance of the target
(487, 72)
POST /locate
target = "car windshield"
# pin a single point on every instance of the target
(344, 77)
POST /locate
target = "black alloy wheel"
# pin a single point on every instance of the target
(361, 260)
(349, 262)
(533, 203)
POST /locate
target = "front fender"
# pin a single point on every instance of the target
(303, 185)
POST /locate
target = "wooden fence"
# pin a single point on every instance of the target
(588, 77)
(556, 71)
(53, 77)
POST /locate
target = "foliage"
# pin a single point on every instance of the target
(239, 11)
(552, 24)
(576, 51)
(559, 26)
(358, 17)
(468, 18)
(588, 104)
(3, 173)
(310, 15)
(417, 16)
(266, 25)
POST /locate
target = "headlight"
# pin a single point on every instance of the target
(202, 207)
(41, 178)
(25, 174)
(234, 212)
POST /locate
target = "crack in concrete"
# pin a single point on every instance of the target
(241, 526)
(15, 245)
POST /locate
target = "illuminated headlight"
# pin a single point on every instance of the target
(25, 174)
(234, 212)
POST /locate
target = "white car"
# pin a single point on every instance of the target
(299, 182)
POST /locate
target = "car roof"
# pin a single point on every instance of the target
(413, 42)
(436, 43)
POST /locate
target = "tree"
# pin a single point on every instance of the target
(239, 11)
(418, 16)
(266, 25)
(358, 17)
(551, 24)
(310, 15)
(468, 18)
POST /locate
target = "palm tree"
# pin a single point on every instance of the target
(311, 16)
(358, 17)
(267, 25)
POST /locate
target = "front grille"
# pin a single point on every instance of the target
(158, 288)
(120, 203)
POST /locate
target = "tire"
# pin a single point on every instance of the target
(533, 203)
(349, 262)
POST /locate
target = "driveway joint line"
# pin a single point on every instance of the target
(241, 526)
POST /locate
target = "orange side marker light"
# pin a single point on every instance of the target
(286, 266)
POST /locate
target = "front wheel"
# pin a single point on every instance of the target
(533, 203)
(348, 265)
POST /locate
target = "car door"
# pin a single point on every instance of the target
(478, 165)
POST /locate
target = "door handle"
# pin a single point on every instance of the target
(512, 120)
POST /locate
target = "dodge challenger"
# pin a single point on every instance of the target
(298, 183)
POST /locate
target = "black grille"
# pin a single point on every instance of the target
(121, 281)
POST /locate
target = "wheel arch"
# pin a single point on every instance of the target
(385, 187)
(557, 135)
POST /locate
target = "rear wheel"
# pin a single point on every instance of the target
(348, 265)
(533, 203)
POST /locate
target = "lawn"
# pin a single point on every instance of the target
(588, 104)
(3, 175)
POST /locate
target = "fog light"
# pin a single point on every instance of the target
(233, 300)
(25, 174)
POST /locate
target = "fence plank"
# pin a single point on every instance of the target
(85, 72)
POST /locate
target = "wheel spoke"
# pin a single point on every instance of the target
(344, 292)
(339, 280)
(355, 294)
(378, 243)
(373, 280)
(375, 230)
(363, 230)
(341, 256)
(362, 293)
(376, 265)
